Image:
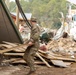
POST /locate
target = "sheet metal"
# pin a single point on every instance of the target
(8, 30)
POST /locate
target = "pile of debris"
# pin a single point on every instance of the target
(59, 52)
(63, 46)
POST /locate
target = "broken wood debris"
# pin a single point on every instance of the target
(18, 50)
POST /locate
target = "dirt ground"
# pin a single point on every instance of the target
(40, 70)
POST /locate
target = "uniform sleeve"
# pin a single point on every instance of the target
(36, 33)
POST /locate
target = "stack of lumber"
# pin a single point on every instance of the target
(15, 53)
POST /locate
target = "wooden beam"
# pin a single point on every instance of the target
(14, 54)
(13, 49)
(43, 60)
(57, 58)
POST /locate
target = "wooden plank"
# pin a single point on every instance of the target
(14, 54)
(16, 50)
(49, 52)
(21, 54)
(24, 62)
(46, 56)
(5, 45)
(20, 60)
(55, 62)
(12, 60)
(43, 60)
(12, 44)
(10, 49)
(19, 50)
(49, 56)
(58, 58)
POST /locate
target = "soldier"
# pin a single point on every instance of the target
(33, 45)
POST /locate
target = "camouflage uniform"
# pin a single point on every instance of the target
(31, 50)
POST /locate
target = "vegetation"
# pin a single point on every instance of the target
(47, 11)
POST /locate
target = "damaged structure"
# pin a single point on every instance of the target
(8, 30)
(11, 44)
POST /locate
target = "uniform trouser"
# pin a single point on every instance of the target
(29, 57)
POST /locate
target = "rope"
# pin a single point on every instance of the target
(22, 13)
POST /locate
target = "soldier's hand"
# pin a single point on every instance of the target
(30, 43)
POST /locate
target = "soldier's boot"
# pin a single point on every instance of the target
(31, 73)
